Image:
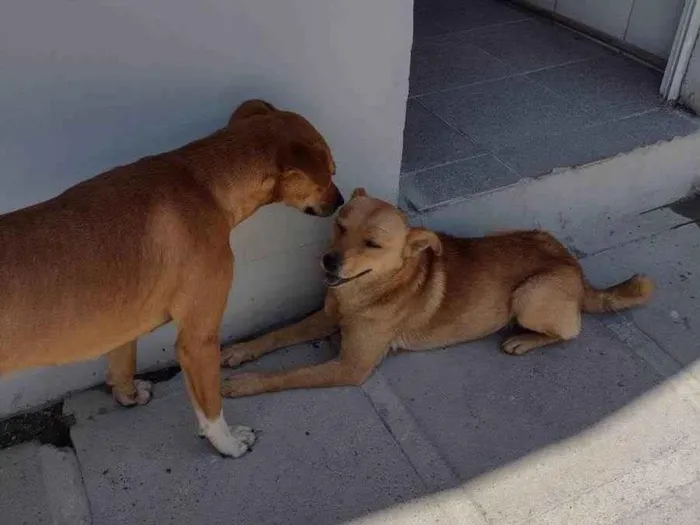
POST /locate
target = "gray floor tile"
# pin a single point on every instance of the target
(425, 28)
(533, 44)
(323, 457)
(23, 498)
(451, 63)
(462, 15)
(602, 84)
(459, 179)
(539, 156)
(534, 123)
(622, 471)
(505, 112)
(655, 126)
(682, 505)
(501, 407)
(428, 141)
(672, 317)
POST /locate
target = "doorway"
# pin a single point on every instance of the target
(499, 93)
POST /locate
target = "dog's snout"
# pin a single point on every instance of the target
(331, 262)
(332, 204)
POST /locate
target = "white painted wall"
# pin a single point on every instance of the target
(88, 84)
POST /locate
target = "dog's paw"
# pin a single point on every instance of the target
(239, 385)
(244, 434)
(143, 391)
(234, 441)
(235, 355)
(517, 345)
(234, 448)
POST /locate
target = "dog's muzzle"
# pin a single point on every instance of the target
(333, 280)
(326, 210)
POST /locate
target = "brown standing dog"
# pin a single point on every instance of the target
(391, 287)
(86, 273)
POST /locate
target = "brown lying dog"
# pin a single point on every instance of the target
(391, 287)
(86, 273)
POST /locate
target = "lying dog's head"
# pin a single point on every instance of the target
(372, 238)
(303, 162)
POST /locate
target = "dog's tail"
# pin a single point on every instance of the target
(633, 292)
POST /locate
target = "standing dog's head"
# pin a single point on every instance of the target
(303, 162)
(372, 238)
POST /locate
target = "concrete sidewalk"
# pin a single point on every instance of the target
(605, 429)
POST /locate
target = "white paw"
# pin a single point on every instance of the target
(245, 434)
(227, 441)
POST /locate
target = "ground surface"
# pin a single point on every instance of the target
(605, 429)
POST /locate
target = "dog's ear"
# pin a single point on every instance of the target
(250, 108)
(358, 192)
(296, 156)
(420, 239)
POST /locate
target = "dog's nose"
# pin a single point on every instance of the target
(331, 262)
(339, 201)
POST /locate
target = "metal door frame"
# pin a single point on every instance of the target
(683, 45)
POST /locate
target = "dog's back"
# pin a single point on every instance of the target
(73, 266)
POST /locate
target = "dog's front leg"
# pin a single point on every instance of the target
(197, 311)
(199, 358)
(121, 367)
(360, 353)
(316, 326)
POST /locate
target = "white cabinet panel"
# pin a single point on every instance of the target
(653, 24)
(608, 16)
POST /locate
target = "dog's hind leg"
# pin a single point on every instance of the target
(126, 390)
(316, 326)
(548, 304)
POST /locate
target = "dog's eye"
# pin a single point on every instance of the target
(341, 228)
(371, 244)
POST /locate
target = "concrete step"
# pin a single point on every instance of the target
(41, 484)
(591, 206)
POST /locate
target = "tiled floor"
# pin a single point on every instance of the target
(498, 94)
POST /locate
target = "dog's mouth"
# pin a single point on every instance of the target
(333, 280)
